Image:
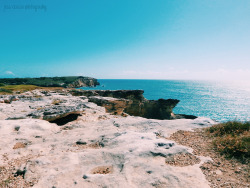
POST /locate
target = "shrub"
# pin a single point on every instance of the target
(230, 127)
(232, 139)
(2, 90)
(17, 88)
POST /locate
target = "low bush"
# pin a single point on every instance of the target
(232, 139)
(230, 127)
(21, 88)
(3, 91)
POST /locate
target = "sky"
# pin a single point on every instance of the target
(126, 39)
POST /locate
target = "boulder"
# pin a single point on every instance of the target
(56, 112)
(131, 102)
(153, 109)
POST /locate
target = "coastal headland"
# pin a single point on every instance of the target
(64, 137)
(65, 81)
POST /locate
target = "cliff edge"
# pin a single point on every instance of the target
(132, 102)
(50, 138)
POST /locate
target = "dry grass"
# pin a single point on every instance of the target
(9, 176)
(221, 171)
(102, 170)
(8, 89)
(19, 145)
(232, 139)
(21, 88)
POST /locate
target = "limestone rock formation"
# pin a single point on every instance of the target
(134, 95)
(112, 105)
(94, 149)
(138, 105)
(83, 82)
(153, 109)
(8, 99)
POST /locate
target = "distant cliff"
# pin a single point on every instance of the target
(66, 81)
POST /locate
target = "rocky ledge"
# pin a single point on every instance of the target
(54, 139)
(66, 81)
(133, 103)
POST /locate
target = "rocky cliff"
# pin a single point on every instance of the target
(125, 94)
(133, 103)
(83, 82)
(66, 81)
(53, 139)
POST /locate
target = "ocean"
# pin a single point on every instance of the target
(220, 101)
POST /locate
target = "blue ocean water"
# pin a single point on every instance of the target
(221, 101)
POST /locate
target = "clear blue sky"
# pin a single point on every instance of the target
(134, 39)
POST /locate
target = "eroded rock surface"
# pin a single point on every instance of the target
(112, 105)
(97, 149)
(133, 103)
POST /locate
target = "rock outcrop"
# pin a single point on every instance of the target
(66, 81)
(8, 99)
(53, 112)
(112, 105)
(134, 95)
(83, 82)
(133, 103)
(53, 139)
(153, 109)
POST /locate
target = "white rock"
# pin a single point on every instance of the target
(133, 150)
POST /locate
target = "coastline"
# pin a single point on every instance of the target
(219, 100)
(52, 138)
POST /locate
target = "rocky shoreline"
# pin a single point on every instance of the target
(133, 103)
(64, 139)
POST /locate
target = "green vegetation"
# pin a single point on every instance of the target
(232, 139)
(5, 91)
(21, 88)
(42, 81)
(9, 89)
